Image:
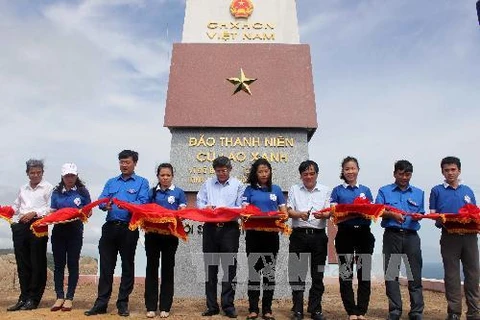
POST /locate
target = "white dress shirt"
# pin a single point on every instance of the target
(301, 199)
(33, 200)
(215, 194)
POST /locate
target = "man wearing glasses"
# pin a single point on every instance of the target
(220, 240)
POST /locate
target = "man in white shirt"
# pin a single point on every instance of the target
(308, 241)
(220, 240)
(32, 203)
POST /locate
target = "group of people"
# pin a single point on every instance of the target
(354, 241)
(35, 200)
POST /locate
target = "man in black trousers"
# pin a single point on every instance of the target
(308, 241)
(220, 240)
(117, 237)
(32, 203)
(402, 242)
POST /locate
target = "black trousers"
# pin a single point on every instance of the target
(262, 249)
(116, 238)
(220, 247)
(307, 247)
(166, 245)
(456, 248)
(354, 244)
(397, 246)
(67, 241)
(31, 258)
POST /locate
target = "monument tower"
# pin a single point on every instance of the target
(241, 86)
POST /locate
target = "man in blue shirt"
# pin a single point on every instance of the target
(220, 240)
(116, 237)
(401, 241)
(449, 197)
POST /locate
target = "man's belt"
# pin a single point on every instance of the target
(223, 224)
(401, 230)
(118, 223)
(308, 230)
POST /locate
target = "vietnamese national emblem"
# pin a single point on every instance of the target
(241, 8)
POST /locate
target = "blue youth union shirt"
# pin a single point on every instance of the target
(133, 190)
(171, 198)
(410, 200)
(263, 199)
(73, 198)
(445, 199)
(345, 194)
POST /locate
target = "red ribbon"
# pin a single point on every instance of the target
(64, 215)
(467, 220)
(361, 207)
(7, 213)
(155, 218)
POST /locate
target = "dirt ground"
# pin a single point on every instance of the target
(435, 305)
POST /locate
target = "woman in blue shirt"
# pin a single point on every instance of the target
(354, 242)
(170, 197)
(67, 238)
(262, 246)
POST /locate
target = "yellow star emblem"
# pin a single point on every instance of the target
(243, 83)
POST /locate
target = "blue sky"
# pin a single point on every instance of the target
(82, 80)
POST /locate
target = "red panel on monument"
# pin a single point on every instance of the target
(282, 96)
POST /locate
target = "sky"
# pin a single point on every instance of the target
(82, 80)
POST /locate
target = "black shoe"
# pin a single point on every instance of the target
(210, 312)
(318, 316)
(231, 314)
(123, 312)
(16, 306)
(453, 316)
(297, 316)
(29, 305)
(95, 310)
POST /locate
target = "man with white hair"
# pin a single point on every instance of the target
(32, 203)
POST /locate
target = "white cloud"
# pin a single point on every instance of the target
(80, 82)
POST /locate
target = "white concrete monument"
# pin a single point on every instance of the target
(208, 117)
(223, 21)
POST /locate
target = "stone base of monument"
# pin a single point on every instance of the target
(193, 151)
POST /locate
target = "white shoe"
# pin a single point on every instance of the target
(164, 314)
(151, 314)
